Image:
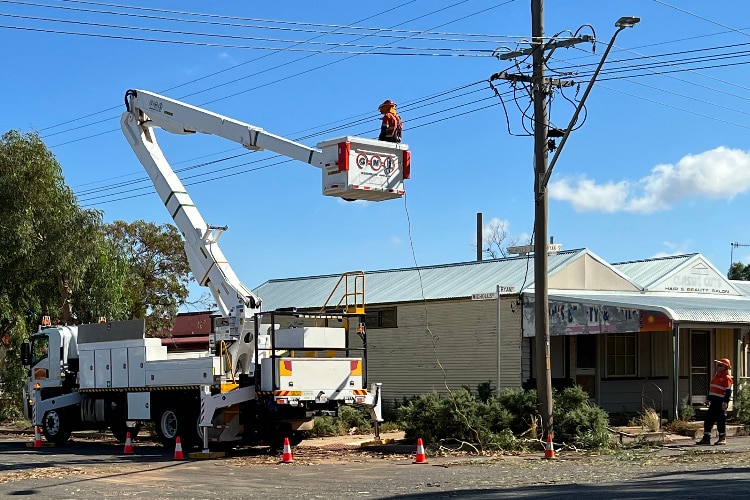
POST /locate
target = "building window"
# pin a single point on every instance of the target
(621, 355)
(381, 318)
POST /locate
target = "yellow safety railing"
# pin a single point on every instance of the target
(353, 299)
(224, 352)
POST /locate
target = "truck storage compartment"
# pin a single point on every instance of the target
(181, 372)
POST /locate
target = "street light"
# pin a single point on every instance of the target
(622, 23)
(627, 21)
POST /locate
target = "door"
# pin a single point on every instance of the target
(700, 374)
(586, 363)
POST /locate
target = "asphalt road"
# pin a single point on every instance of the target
(88, 469)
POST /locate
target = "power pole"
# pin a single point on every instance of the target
(541, 87)
(541, 298)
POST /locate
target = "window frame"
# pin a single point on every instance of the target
(613, 359)
(387, 320)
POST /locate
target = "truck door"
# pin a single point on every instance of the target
(39, 358)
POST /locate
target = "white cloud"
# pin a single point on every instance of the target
(720, 173)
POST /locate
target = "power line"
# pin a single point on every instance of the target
(305, 57)
(306, 27)
(392, 51)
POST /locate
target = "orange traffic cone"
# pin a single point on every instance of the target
(286, 458)
(128, 445)
(178, 450)
(37, 437)
(549, 450)
(421, 458)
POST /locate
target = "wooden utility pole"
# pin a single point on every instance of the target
(541, 87)
(541, 299)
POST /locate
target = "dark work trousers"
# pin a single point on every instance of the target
(716, 416)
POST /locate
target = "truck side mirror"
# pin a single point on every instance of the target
(26, 354)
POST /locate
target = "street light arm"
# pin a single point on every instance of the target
(545, 180)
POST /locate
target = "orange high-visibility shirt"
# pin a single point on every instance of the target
(719, 385)
(393, 127)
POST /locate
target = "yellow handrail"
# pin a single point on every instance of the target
(224, 350)
(353, 299)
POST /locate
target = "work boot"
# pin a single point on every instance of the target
(706, 440)
(721, 440)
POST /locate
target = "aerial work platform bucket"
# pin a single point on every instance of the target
(355, 168)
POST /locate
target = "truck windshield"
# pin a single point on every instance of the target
(39, 349)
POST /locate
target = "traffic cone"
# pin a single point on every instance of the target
(128, 445)
(37, 437)
(421, 458)
(286, 458)
(178, 450)
(549, 450)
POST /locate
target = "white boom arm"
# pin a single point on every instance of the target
(353, 168)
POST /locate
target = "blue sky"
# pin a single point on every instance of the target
(660, 165)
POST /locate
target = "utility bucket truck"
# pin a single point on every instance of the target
(257, 383)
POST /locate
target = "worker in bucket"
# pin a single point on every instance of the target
(390, 129)
(719, 393)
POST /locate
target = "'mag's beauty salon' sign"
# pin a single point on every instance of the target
(575, 318)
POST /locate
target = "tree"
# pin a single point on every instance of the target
(48, 244)
(158, 271)
(494, 235)
(739, 271)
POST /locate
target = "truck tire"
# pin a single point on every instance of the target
(56, 427)
(174, 421)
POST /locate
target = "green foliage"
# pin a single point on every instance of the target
(739, 271)
(350, 420)
(742, 404)
(577, 421)
(157, 268)
(355, 418)
(459, 416)
(522, 405)
(686, 410)
(485, 391)
(327, 426)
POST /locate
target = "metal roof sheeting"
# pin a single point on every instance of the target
(648, 271)
(461, 280)
(445, 281)
(741, 286)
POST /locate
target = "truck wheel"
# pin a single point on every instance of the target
(167, 427)
(178, 422)
(55, 427)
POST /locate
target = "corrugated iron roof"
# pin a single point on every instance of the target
(648, 271)
(685, 308)
(741, 286)
(409, 284)
(460, 280)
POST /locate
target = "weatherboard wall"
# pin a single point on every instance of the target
(441, 346)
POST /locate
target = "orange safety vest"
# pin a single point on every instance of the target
(393, 127)
(719, 385)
